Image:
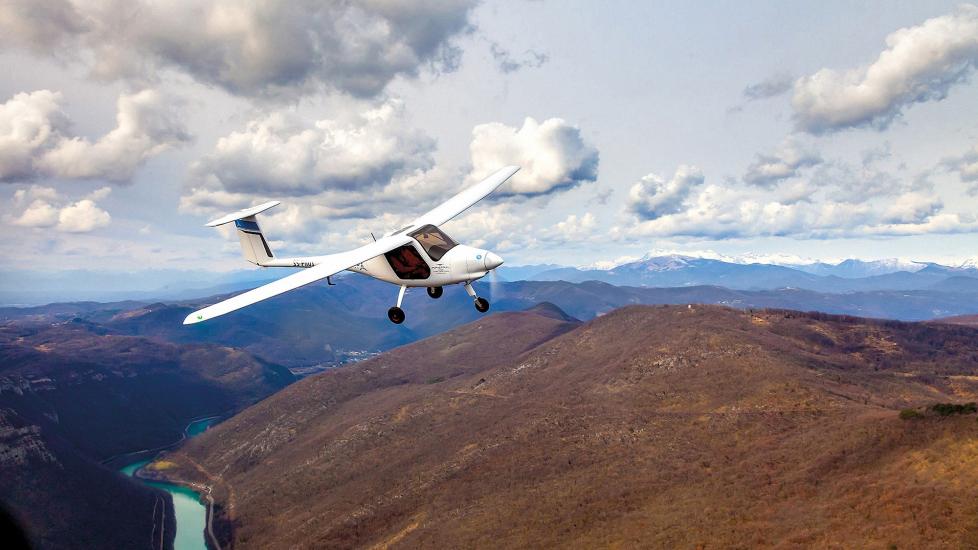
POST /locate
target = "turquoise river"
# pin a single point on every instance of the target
(191, 514)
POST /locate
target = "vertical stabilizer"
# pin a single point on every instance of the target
(254, 247)
(253, 244)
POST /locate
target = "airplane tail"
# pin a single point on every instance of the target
(254, 247)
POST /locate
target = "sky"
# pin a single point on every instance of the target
(820, 130)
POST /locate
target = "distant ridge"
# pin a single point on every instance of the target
(549, 309)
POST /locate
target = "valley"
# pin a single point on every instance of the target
(76, 401)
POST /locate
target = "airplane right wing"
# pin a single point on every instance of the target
(461, 202)
(331, 265)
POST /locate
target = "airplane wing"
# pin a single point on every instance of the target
(461, 202)
(331, 265)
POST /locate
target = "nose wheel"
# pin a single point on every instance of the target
(435, 291)
(396, 315)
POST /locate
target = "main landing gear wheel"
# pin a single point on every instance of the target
(396, 314)
(435, 291)
(482, 305)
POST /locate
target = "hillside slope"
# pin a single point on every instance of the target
(649, 426)
(74, 394)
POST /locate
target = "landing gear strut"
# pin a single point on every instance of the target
(435, 291)
(481, 304)
(396, 314)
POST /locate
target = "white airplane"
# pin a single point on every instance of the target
(418, 254)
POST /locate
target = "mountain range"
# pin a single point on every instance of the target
(27, 288)
(666, 426)
(321, 325)
(847, 276)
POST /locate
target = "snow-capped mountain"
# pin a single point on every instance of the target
(673, 270)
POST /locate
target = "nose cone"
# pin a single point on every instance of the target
(492, 261)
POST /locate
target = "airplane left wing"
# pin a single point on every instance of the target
(330, 265)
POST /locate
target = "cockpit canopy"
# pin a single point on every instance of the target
(434, 241)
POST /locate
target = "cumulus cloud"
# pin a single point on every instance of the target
(36, 140)
(373, 170)
(282, 155)
(653, 197)
(553, 155)
(770, 169)
(737, 211)
(43, 207)
(247, 48)
(912, 208)
(919, 64)
(573, 229)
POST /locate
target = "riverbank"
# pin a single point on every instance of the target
(120, 460)
(192, 504)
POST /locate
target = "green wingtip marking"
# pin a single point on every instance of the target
(199, 317)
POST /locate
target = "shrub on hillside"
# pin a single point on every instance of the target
(908, 414)
(947, 409)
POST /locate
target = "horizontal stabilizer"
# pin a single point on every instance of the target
(242, 214)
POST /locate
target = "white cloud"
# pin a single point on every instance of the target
(46, 209)
(146, 125)
(573, 228)
(374, 170)
(785, 163)
(735, 210)
(552, 154)
(35, 138)
(653, 197)
(920, 64)
(29, 124)
(38, 214)
(81, 217)
(965, 165)
(912, 208)
(248, 48)
(282, 155)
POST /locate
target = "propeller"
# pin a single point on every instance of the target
(495, 286)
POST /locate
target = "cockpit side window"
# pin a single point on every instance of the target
(434, 241)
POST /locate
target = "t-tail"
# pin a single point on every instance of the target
(254, 247)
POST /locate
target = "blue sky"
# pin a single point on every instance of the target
(819, 130)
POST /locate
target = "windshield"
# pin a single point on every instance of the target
(434, 241)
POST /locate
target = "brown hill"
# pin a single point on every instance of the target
(650, 426)
(968, 320)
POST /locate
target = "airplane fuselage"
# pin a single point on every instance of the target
(411, 266)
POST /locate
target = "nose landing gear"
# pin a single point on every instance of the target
(435, 291)
(481, 304)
